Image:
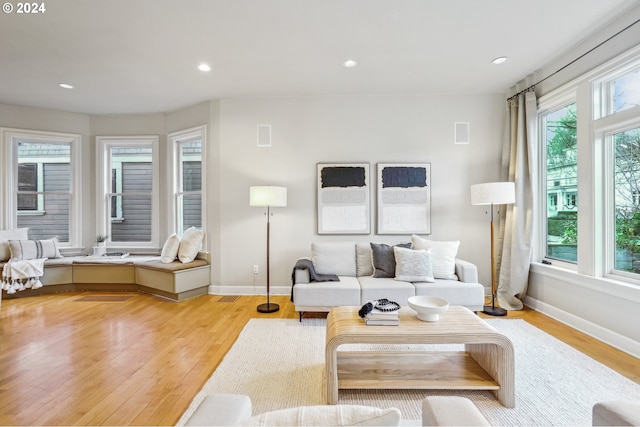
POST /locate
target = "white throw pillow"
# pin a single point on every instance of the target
(190, 244)
(413, 265)
(13, 234)
(34, 249)
(327, 415)
(170, 249)
(443, 256)
(334, 258)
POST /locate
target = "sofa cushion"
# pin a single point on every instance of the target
(328, 294)
(170, 249)
(33, 249)
(384, 261)
(190, 244)
(13, 234)
(372, 288)
(413, 265)
(364, 264)
(334, 258)
(443, 256)
(327, 415)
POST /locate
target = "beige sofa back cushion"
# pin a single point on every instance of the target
(334, 258)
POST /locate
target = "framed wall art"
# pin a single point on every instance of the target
(404, 198)
(344, 198)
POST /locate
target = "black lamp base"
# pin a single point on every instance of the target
(494, 311)
(268, 308)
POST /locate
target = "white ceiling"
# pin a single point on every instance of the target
(140, 56)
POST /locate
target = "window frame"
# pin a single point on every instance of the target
(596, 125)
(176, 140)
(9, 138)
(104, 188)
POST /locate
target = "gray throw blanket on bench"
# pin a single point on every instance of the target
(306, 264)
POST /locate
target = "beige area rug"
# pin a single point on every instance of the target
(279, 363)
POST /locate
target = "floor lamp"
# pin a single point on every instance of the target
(269, 197)
(493, 193)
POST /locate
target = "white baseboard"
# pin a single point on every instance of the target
(249, 290)
(598, 332)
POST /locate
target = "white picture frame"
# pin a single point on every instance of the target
(343, 194)
(404, 198)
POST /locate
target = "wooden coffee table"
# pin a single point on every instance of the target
(486, 364)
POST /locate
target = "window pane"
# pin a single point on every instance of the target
(626, 91)
(44, 169)
(627, 198)
(192, 211)
(135, 225)
(559, 133)
(191, 157)
(55, 222)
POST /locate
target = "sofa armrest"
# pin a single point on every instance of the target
(466, 271)
(301, 275)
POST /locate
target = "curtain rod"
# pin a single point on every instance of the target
(530, 88)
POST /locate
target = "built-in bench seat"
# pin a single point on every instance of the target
(176, 280)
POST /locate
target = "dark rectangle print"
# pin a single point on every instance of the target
(404, 177)
(343, 176)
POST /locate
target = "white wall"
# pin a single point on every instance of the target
(306, 131)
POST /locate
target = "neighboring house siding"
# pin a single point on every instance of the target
(55, 220)
(136, 210)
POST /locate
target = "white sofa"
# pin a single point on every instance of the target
(364, 277)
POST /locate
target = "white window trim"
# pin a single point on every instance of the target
(175, 139)
(103, 187)
(9, 158)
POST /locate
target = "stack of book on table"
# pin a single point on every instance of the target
(382, 318)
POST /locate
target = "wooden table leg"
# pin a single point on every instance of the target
(331, 367)
(498, 360)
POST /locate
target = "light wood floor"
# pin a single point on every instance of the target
(134, 359)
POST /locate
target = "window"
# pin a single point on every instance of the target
(590, 127)
(560, 142)
(188, 178)
(27, 187)
(626, 187)
(128, 205)
(625, 91)
(43, 185)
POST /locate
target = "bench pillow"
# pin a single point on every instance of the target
(13, 234)
(413, 265)
(334, 258)
(190, 244)
(34, 249)
(443, 256)
(170, 249)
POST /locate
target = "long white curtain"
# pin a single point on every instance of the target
(517, 228)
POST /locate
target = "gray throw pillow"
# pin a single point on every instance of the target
(384, 261)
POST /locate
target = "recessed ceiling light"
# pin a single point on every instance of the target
(349, 63)
(65, 86)
(204, 67)
(499, 60)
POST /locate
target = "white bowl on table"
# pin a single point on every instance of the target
(428, 308)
